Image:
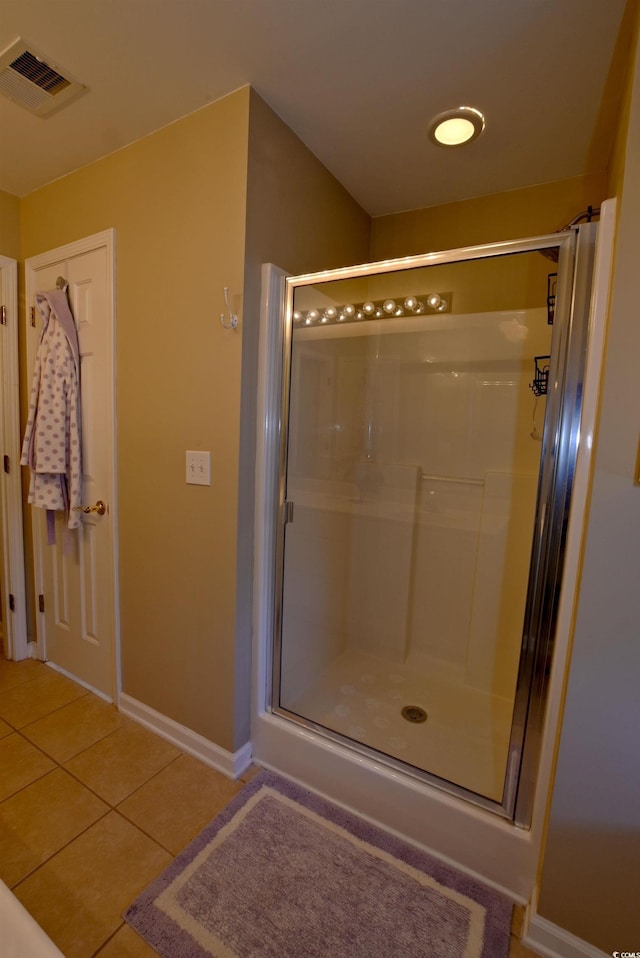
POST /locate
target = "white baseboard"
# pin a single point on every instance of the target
(231, 764)
(552, 941)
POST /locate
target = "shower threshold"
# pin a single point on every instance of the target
(465, 739)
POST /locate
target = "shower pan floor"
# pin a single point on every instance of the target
(464, 740)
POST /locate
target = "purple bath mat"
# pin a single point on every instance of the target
(281, 873)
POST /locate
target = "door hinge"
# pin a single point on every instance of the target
(288, 511)
(3, 315)
(33, 315)
(6, 463)
(12, 602)
(41, 603)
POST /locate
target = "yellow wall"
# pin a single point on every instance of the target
(301, 219)
(592, 855)
(177, 200)
(297, 212)
(9, 225)
(624, 57)
(486, 219)
(486, 285)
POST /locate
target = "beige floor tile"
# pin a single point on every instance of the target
(517, 920)
(518, 950)
(250, 773)
(42, 819)
(126, 943)
(75, 727)
(21, 763)
(78, 896)
(5, 729)
(178, 802)
(15, 673)
(123, 761)
(32, 700)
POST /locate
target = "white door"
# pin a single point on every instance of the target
(12, 587)
(75, 579)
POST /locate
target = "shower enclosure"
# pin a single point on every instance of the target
(428, 434)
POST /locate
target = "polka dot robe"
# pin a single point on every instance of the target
(52, 441)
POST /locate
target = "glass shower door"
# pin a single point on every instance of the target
(416, 413)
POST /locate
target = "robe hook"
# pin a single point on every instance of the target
(61, 283)
(233, 319)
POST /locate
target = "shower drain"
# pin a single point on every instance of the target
(413, 713)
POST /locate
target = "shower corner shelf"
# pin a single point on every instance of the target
(552, 282)
(541, 377)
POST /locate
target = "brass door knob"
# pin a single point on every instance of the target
(99, 507)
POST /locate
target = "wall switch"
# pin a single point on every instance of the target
(198, 468)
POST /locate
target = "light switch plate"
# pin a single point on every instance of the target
(198, 468)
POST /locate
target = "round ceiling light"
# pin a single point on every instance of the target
(456, 127)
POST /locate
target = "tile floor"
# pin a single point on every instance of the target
(92, 808)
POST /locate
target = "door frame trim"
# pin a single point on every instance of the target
(104, 239)
(13, 577)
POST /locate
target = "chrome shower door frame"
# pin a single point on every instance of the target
(558, 459)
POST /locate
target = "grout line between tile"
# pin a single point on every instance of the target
(58, 850)
(10, 724)
(101, 797)
(38, 777)
(96, 954)
(88, 787)
(17, 685)
(19, 728)
(150, 779)
(76, 754)
(116, 808)
(106, 941)
(146, 834)
(58, 708)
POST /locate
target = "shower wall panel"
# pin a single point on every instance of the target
(447, 530)
(414, 474)
(380, 557)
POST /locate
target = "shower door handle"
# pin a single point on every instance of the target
(288, 511)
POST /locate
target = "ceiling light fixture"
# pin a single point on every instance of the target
(456, 127)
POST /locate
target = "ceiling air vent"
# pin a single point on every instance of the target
(30, 79)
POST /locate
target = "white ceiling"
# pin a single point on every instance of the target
(357, 80)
